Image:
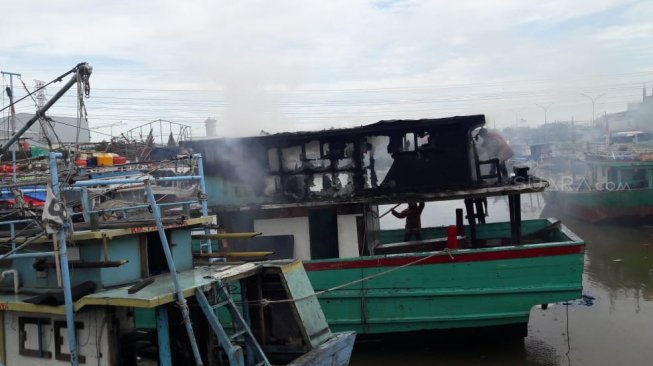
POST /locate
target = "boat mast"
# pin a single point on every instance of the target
(12, 119)
(82, 72)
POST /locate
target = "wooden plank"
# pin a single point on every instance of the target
(90, 264)
(233, 254)
(237, 272)
(226, 236)
(140, 285)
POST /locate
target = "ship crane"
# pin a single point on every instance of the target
(82, 72)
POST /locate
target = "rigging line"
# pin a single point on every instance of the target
(49, 120)
(22, 230)
(13, 212)
(58, 79)
(80, 105)
(266, 302)
(568, 337)
(83, 128)
(27, 242)
(43, 129)
(472, 84)
(162, 164)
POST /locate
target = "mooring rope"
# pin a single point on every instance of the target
(568, 337)
(266, 302)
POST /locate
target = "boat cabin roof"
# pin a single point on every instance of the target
(159, 292)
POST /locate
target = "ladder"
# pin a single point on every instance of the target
(230, 343)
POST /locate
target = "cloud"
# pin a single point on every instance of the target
(291, 64)
(632, 32)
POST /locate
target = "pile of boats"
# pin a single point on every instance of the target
(121, 263)
(102, 271)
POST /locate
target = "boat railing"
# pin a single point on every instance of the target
(137, 181)
(618, 152)
(112, 200)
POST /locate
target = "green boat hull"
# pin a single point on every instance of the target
(448, 289)
(596, 206)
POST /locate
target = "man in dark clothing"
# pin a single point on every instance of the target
(413, 220)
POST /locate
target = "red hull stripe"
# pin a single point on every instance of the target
(445, 258)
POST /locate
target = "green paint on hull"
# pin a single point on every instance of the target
(604, 205)
(445, 295)
(483, 232)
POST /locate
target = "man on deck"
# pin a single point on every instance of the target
(413, 220)
(497, 148)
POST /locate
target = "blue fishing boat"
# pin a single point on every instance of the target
(81, 278)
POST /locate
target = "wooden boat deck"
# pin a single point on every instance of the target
(532, 185)
(160, 292)
(119, 229)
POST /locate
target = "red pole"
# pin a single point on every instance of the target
(452, 237)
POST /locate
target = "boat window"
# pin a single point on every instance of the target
(273, 159)
(272, 185)
(31, 334)
(317, 184)
(325, 150)
(409, 142)
(292, 158)
(425, 141)
(344, 184)
(623, 139)
(60, 334)
(376, 160)
(634, 178)
(312, 150)
(645, 136)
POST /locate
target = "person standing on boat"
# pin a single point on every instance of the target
(413, 220)
(497, 148)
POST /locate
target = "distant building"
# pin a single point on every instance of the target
(65, 128)
(638, 116)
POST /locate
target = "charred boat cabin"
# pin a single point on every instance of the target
(316, 196)
(324, 187)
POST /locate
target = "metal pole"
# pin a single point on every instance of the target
(593, 100)
(203, 200)
(86, 206)
(163, 336)
(516, 116)
(181, 301)
(12, 117)
(63, 255)
(13, 131)
(41, 112)
(545, 109)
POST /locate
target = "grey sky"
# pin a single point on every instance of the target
(287, 65)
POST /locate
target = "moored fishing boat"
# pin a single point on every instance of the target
(121, 268)
(319, 193)
(78, 277)
(617, 186)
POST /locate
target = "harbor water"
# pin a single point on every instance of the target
(611, 325)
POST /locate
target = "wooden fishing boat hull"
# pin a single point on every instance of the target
(459, 288)
(598, 206)
(334, 352)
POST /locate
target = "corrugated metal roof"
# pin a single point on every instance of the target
(65, 127)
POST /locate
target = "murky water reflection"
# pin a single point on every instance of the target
(613, 325)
